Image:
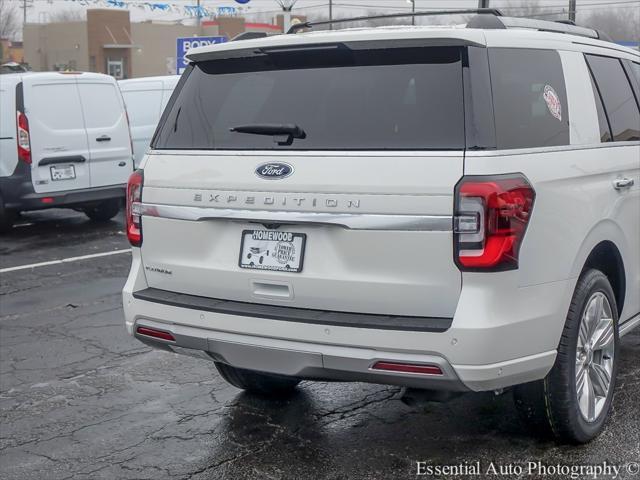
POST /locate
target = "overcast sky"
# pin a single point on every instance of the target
(256, 9)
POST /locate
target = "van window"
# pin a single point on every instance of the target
(56, 105)
(530, 99)
(343, 99)
(143, 106)
(617, 96)
(100, 103)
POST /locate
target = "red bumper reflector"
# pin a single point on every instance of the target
(47, 200)
(408, 368)
(152, 332)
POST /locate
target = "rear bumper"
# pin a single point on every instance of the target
(487, 346)
(18, 195)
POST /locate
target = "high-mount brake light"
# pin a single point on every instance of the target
(134, 197)
(492, 214)
(23, 140)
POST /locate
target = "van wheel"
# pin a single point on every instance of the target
(7, 218)
(574, 400)
(103, 211)
(257, 382)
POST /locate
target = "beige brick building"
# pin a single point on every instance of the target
(107, 42)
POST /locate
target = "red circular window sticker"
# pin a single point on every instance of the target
(553, 101)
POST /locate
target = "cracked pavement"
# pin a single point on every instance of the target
(81, 399)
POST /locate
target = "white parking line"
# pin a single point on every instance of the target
(63, 260)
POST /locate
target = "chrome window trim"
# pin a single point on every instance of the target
(358, 221)
(559, 148)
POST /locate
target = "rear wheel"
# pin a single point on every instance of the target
(103, 211)
(257, 382)
(574, 400)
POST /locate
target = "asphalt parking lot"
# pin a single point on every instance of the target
(79, 398)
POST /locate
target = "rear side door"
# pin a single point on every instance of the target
(621, 125)
(359, 211)
(107, 131)
(59, 146)
(143, 101)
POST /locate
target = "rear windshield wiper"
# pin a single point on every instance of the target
(283, 133)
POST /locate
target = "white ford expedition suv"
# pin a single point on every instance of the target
(452, 209)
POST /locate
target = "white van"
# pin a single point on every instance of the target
(64, 142)
(145, 99)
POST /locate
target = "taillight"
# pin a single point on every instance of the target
(134, 197)
(492, 214)
(24, 144)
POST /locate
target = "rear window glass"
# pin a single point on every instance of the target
(530, 99)
(57, 106)
(617, 96)
(343, 99)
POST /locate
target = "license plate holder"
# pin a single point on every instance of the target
(272, 250)
(66, 172)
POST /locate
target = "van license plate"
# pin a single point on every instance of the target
(68, 172)
(272, 250)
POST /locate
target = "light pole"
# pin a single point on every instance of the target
(483, 3)
(286, 6)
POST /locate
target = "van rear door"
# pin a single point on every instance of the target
(8, 142)
(143, 101)
(59, 147)
(319, 178)
(107, 130)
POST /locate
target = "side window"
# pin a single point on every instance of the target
(603, 122)
(530, 98)
(635, 70)
(619, 102)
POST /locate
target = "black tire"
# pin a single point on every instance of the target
(103, 211)
(7, 218)
(550, 406)
(257, 382)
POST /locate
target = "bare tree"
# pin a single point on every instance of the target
(68, 15)
(9, 21)
(533, 9)
(619, 24)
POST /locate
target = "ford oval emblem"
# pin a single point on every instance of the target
(274, 170)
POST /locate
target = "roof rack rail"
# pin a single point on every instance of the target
(486, 18)
(489, 22)
(488, 11)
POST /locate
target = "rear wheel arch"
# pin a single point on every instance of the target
(606, 257)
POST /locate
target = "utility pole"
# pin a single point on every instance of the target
(24, 13)
(572, 10)
(198, 20)
(413, 10)
(483, 3)
(330, 14)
